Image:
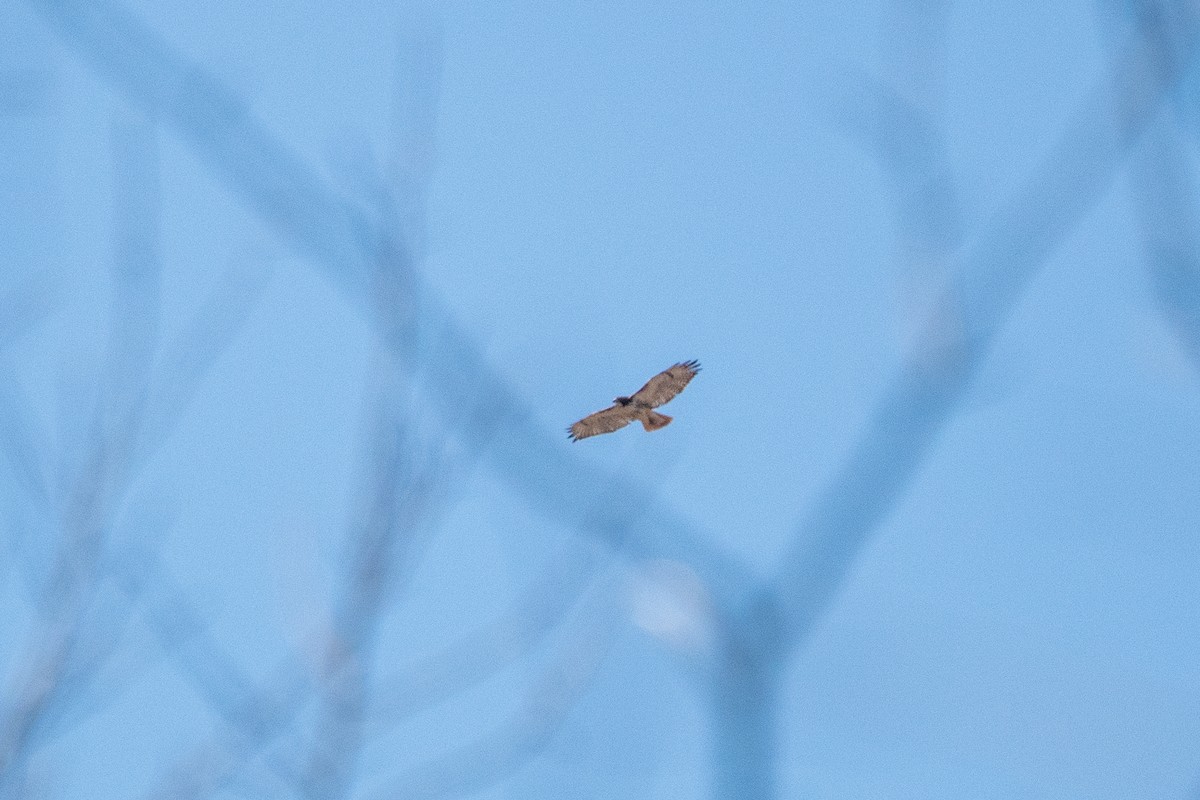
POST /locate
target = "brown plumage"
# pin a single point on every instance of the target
(658, 390)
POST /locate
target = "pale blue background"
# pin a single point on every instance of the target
(591, 192)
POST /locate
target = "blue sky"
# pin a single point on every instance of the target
(817, 201)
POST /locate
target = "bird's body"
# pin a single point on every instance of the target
(640, 406)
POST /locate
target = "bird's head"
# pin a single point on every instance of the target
(621, 401)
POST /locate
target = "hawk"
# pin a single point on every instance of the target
(658, 390)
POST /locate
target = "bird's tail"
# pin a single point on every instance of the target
(654, 420)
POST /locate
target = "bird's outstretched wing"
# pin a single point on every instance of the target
(666, 384)
(606, 421)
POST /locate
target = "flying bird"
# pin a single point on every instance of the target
(658, 390)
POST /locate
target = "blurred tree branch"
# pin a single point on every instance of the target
(1163, 182)
(91, 497)
(486, 761)
(63, 654)
(989, 277)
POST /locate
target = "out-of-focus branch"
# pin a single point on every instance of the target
(21, 308)
(172, 384)
(186, 360)
(21, 439)
(1164, 186)
(1176, 280)
(52, 653)
(402, 492)
(495, 645)
(417, 76)
(345, 239)
(898, 118)
(63, 654)
(493, 757)
(990, 276)
(136, 263)
(907, 142)
(251, 716)
(255, 719)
